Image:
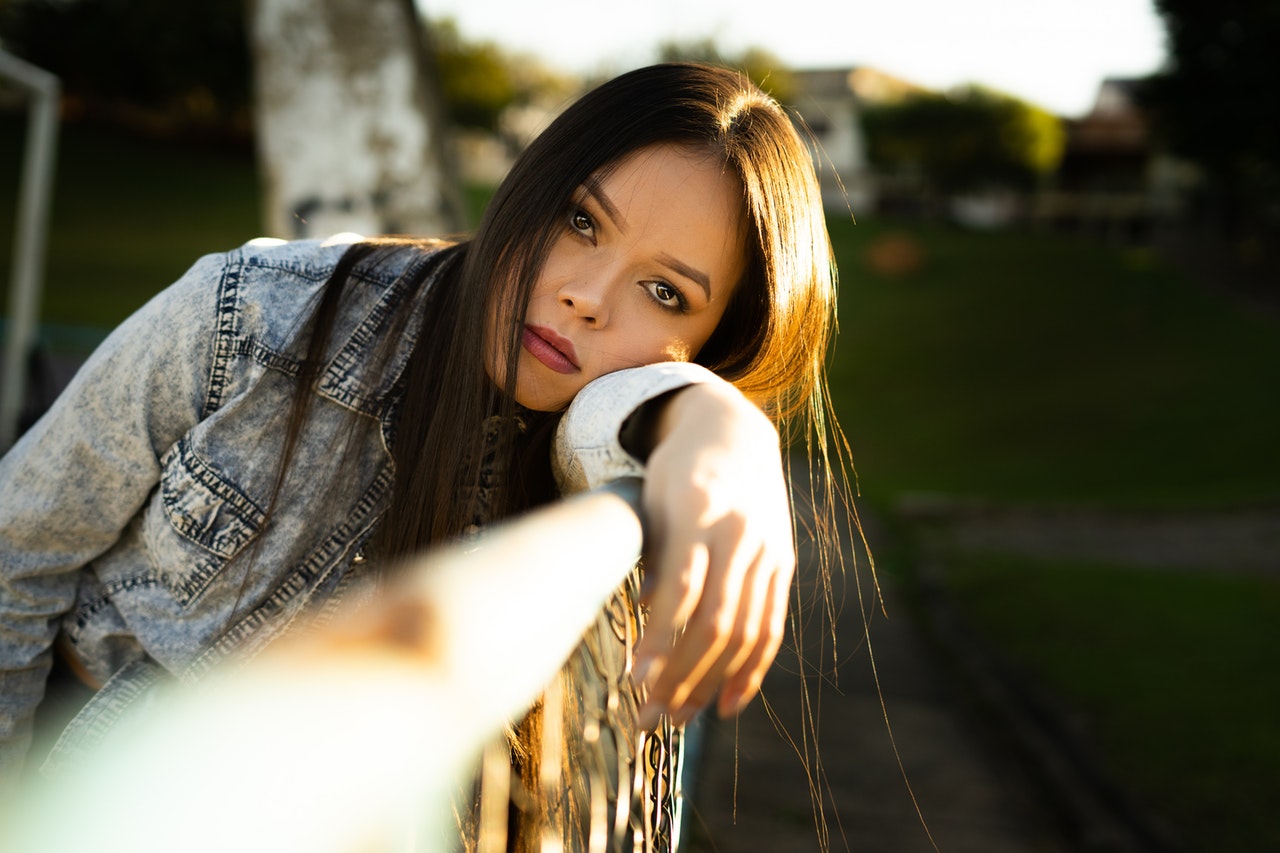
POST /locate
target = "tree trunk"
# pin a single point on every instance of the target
(350, 131)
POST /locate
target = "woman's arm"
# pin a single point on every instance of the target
(719, 549)
(76, 478)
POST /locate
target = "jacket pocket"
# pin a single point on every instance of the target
(197, 523)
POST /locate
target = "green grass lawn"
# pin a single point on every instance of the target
(1024, 367)
(1171, 676)
(129, 216)
(1034, 367)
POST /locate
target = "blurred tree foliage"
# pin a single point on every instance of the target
(173, 65)
(761, 67)
(480, 80)
(969, 139)
(1216, 103)
(158, 64)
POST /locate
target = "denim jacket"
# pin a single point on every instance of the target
(121, 508)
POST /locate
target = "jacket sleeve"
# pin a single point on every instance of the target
(588, 447)
(72, 483)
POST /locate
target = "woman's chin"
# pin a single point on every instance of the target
(540, 395)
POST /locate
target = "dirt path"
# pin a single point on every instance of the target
(1245, 540)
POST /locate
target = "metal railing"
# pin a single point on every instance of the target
(30, 234)
(335, 741)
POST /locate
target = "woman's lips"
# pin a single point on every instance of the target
(550, 349)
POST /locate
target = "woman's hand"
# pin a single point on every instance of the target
(719, 555)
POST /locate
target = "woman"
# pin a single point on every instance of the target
(289, 417)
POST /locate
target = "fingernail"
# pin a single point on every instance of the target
(649, 716)
(731, 704)
(686, 713)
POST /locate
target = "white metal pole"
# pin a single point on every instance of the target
(333, 741)
(30, 235)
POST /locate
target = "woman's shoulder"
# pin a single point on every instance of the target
(272, 285)
(383, 262)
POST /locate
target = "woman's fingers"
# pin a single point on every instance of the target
(724, 630)
(729, 639)
(720, 554)
(711, 632)
(676, 589)
(746, 674)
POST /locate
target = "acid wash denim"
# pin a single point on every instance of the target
(123, 508)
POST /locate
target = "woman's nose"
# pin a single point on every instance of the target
(587, 298)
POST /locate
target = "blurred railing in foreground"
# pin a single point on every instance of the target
(353, 738)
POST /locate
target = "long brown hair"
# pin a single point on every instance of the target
(771, 342)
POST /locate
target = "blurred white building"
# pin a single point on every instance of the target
(829, 102)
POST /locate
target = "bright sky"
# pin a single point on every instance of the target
(1050, 52)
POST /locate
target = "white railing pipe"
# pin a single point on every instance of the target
(354, 738)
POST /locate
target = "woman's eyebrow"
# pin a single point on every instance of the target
(593, 187)
(696, 275)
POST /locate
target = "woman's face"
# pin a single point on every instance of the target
(641, 272)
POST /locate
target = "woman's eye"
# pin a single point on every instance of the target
(667, 296)
(580, 222)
